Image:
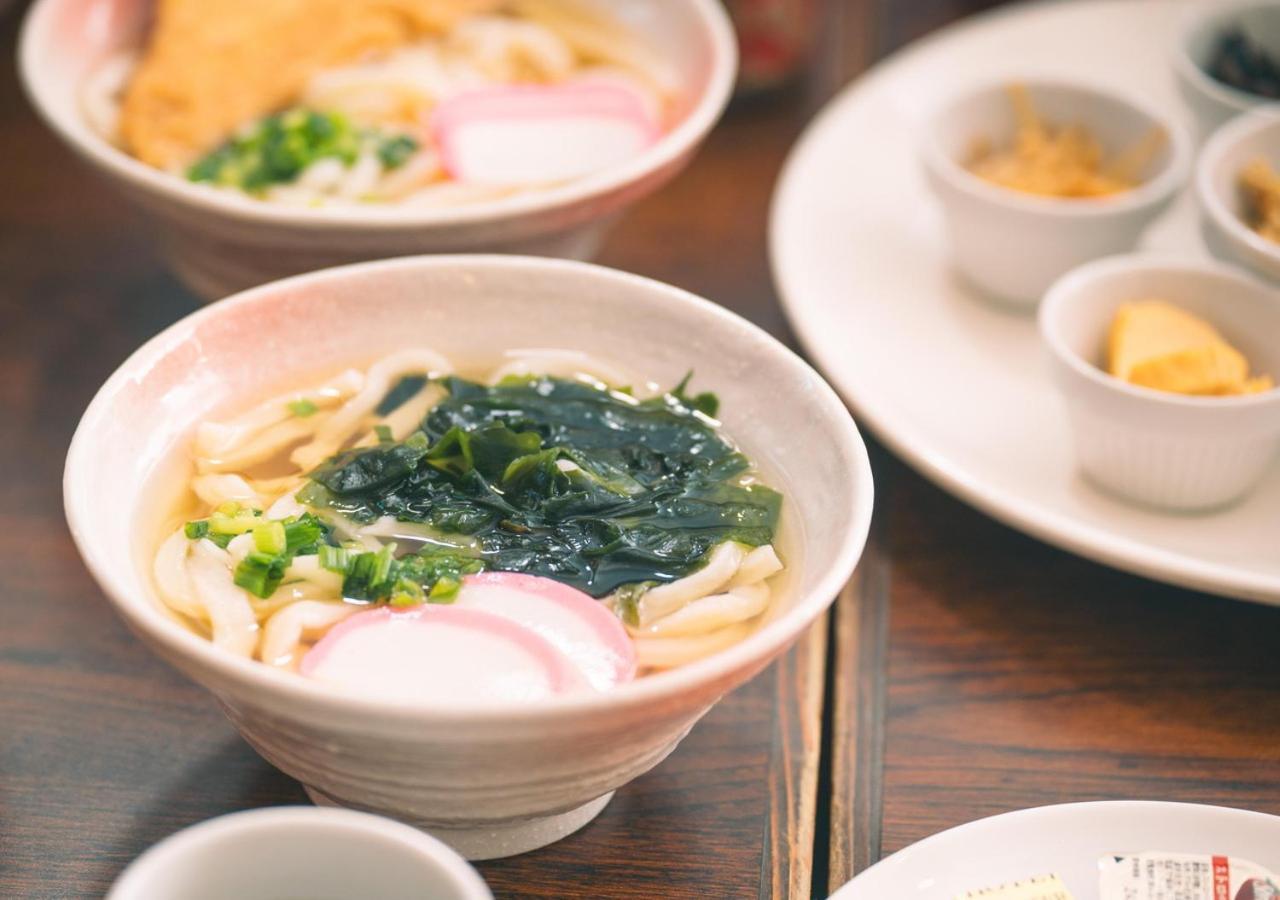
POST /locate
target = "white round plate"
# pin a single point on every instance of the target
(955, 385)
(1067, 841)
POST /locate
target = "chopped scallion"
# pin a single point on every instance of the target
(335, 559)
(260, 573)
(445, 590)
(231, 525)
(303, 533)
(303, 408)
(407, 593)
(269, 537)
(276, 543)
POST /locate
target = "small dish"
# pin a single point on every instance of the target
(511, 776)
(1013, 245)
(1163, 449)
(1213, 103)
(219, 242)
(299, 851)
(1224, 157)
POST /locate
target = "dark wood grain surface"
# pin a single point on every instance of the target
(967, 669)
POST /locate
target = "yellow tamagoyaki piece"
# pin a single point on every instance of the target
(1155, 344)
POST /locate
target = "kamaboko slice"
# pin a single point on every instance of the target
(538, 134)
(441, 655)
(573, 622)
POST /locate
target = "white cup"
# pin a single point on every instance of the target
(294, 852)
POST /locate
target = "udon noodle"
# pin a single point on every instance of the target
(666, 524)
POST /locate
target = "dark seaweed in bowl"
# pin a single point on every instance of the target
(563, 479)
(1240, 62)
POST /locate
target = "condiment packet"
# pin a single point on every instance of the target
(1185, 876)
(1042, 887)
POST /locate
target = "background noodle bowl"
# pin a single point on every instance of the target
(221, 241)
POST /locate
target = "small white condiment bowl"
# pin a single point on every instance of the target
(1232, 147)
(1012, 245)
(1162, 449)
(497, 780)
(1213, 103)
(221, 241)
(299, 851)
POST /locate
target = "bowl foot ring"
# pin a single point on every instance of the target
(497, 840)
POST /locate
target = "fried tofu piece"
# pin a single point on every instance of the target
(209, 68)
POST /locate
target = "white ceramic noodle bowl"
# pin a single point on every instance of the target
(1232, 147)
(496, 781)
(290, 851)
(1013, 245)
(221, 242)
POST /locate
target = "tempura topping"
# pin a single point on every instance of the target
(210, 68)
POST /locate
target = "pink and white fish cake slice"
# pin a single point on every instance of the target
(576, 624)
(441, 655)
(541, 134)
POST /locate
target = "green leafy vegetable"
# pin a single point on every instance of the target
(365, 470)
(706, 403)
(488, 450)
(260, 573)
(431, 575)
(394, 151)
(275, 544)
(628, 596)
(270, 537)
(556, 478)
(228, 521)
(401, 392)
(280, 147)
(303, 534)
(334, 559)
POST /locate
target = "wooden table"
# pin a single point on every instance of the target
(966, 670)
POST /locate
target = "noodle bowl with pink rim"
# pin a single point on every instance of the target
(462, 540)
(348, 131)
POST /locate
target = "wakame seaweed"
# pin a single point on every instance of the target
(562, 479)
